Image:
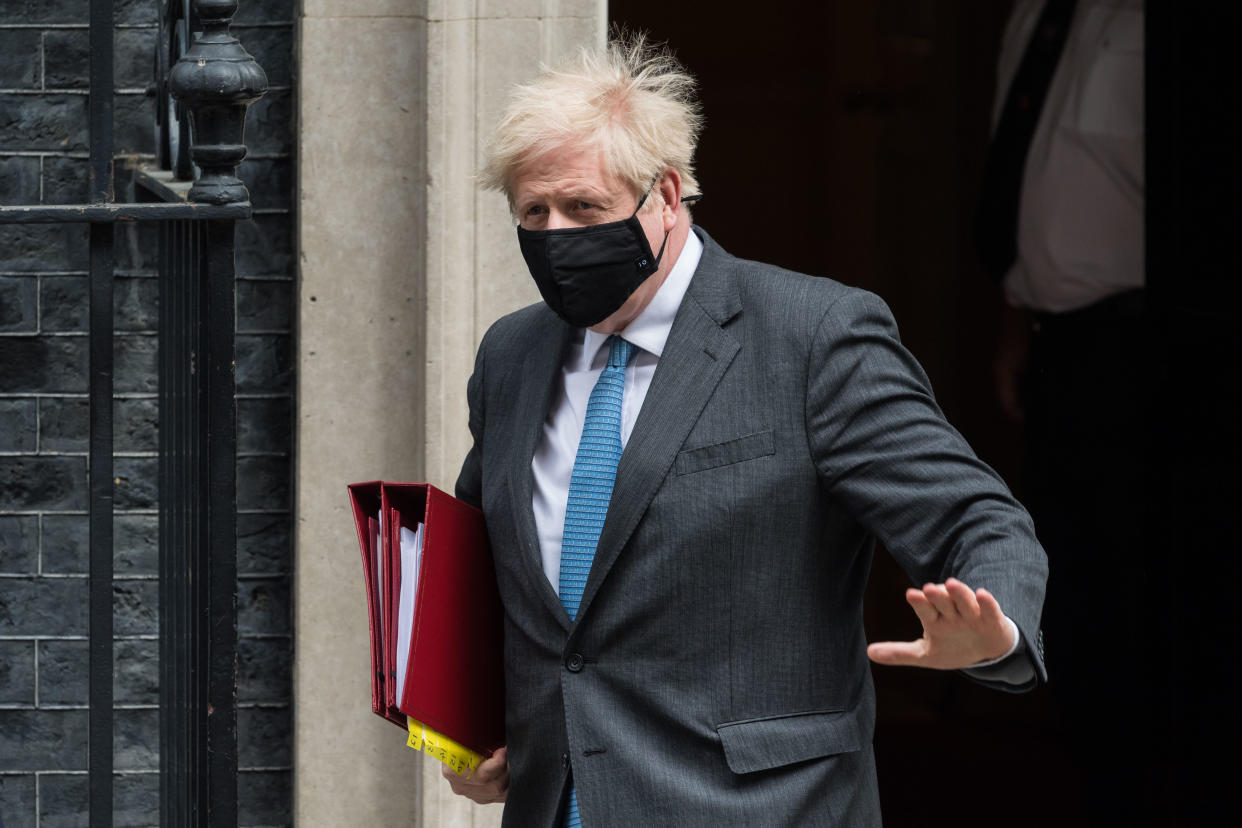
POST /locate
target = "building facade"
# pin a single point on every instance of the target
(368, 273)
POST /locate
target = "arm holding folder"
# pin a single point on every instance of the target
(435, 620)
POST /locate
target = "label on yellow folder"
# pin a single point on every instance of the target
(438, 746)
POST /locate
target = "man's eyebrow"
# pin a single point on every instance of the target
(575, 193)
(586, 194)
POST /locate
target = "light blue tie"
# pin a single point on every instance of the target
(590, 489)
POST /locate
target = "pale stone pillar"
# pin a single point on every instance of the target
(404, 264)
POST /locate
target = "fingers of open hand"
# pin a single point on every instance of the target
(953, 604)
(963, 598)
(898, 653)
(488, 783)
(961, 626)
(989, 610)
(922, 607)
(939, 597)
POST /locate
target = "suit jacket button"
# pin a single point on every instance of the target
(565, 759)
(574, 663)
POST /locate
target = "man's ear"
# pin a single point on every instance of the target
(670, 192)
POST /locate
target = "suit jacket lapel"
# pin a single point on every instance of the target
(696, 356)
(539, 381)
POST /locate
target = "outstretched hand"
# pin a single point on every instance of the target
(961, 627)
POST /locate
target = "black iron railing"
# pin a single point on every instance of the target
(208, 79)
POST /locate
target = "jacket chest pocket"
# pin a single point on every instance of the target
(749, 447)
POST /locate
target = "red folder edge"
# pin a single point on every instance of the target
(458, 624)
(365, 498)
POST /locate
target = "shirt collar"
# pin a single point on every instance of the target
(650, 329)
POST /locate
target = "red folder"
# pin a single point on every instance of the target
(454, 678)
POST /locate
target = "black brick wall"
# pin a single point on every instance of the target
(43, 425)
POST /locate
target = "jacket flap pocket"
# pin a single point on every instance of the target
(762, 744)
(760, 444)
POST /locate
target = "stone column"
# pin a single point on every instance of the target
(403, 265)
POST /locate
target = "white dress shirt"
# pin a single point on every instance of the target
(553, 462)
(1080, 220)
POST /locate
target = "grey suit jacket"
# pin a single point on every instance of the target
(716, 674)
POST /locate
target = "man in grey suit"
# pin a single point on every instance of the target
(684, 460)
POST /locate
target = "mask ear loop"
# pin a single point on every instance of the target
(684, 199)
(643, 200)
(646, 193)
(664, 243)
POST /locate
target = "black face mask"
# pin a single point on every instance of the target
(585, 274)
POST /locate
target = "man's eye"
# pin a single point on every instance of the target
(585, 205)
(535, 210)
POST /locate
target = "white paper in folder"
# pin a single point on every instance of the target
(377, 560)
(411, 559)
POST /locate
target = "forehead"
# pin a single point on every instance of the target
(565, 171)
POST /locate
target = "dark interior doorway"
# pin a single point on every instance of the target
(846, 139)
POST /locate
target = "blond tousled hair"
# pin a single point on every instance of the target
(632, 100)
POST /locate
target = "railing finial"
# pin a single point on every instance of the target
(217, 80)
